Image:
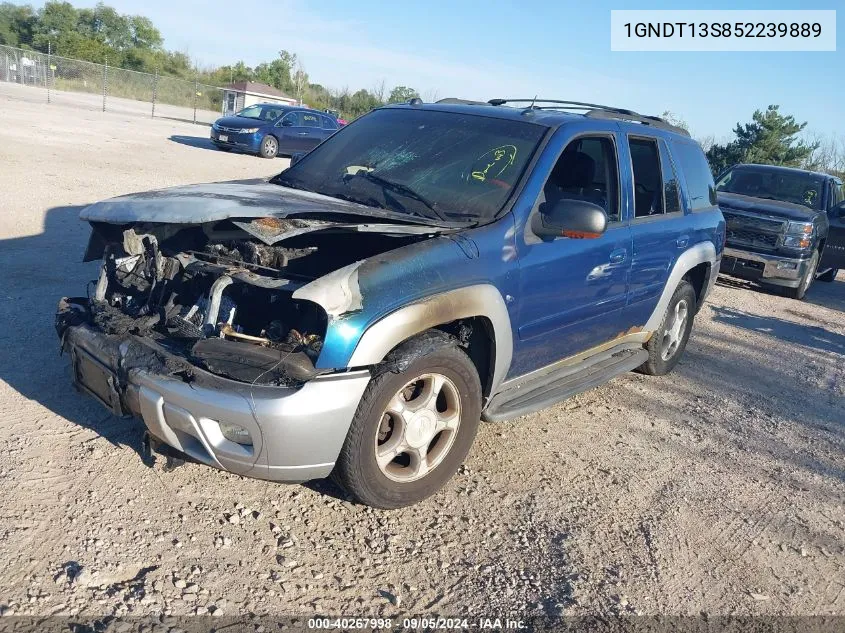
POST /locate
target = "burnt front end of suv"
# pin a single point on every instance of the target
(767, 248)
(199, 331)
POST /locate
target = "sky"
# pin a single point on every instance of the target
(557, 49)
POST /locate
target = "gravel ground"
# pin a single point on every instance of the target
(717, 489)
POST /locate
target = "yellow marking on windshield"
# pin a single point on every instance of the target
(496, 161)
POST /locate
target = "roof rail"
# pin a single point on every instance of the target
(457, 101)
(596, 111)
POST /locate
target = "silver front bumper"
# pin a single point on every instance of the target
(297, 433)
(771, 269)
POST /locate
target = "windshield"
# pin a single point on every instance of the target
(261, 112)
(795, 187)
(437, 165)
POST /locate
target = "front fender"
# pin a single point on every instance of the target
(482, 300)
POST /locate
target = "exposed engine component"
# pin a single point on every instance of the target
(227, 308)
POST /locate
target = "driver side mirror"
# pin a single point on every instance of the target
(296, 157)
(576, 219)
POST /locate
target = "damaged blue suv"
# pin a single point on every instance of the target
(428, 266)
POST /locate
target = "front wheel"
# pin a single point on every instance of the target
(669, 340)
(412, 430)
(806, 280)
(269, 147)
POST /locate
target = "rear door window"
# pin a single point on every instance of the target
(648, 177)
(696, 173)
(309, 119)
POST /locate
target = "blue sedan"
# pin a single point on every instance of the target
(269, 129)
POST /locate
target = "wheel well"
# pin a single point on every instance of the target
(474, 335)
(698, 276)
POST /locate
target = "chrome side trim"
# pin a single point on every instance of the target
(704, 252)
(480, 300)
(632, 340)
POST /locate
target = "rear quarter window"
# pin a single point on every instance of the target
(696, 173)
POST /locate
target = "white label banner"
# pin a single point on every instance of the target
(728, 30)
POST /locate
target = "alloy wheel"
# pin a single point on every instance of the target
(418, 428)
(674, 331)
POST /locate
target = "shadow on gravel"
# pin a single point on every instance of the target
(200, 142)
(829, 295)
(783, 411)
(37, 271)
(808, 335)
(826, 294)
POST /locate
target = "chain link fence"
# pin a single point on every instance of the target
(103, 87)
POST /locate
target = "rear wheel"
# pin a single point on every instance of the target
(667, 344)
(412, 430)
(269, 147)
(806, 280)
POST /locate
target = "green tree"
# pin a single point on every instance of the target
(54, 21)
(16, 24)
(144, 34)
(278, 73)
(400, 94)
(771, 138)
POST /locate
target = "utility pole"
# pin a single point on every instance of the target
(196, 94)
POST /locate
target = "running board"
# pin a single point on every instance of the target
(560, 384)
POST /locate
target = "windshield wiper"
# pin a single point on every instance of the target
(402, 190)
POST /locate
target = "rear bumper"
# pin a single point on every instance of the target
(770, 269)
(297, 433)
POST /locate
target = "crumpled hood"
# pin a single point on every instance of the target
(212, 202)
(763, 206)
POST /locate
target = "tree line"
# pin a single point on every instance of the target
(133, 42)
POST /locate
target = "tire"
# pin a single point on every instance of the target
(806, 281)
(828, 276)
(377, 429)
(667, 344)
(269, 147)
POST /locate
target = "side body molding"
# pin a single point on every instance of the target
(703, 252)
(482, 300)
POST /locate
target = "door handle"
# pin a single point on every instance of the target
(683, 241)
(618, 256)
(303, 133)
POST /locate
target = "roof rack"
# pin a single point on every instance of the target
(596, 111)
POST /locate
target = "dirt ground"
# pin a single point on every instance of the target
(717, 489)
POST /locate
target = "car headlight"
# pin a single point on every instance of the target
(799, 228)
(797, 241)
(248, 130)
(235, 433)
(798, 235)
